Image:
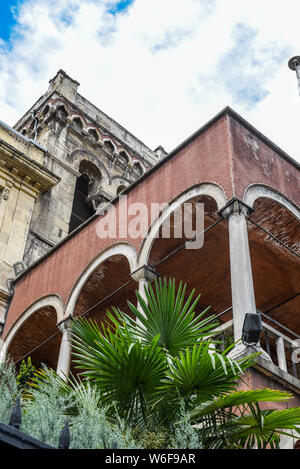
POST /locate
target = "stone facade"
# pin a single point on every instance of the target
(23, 179)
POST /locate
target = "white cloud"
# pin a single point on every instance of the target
(162, 68)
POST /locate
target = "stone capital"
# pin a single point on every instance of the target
(235, 206)
(144, 273)
(65, 324)
(241, 351)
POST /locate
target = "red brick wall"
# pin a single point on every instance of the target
(206, 159)
(254, 162)
(255, 379)
(219, 154)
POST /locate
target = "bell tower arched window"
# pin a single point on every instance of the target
(86, 185)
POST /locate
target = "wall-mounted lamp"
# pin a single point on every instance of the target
(252, 329)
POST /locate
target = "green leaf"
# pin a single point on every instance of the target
(170, 315)
(239, 398)
(127, 373)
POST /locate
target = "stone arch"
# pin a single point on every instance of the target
(93, 134)
(120, 189)
(273, 230)
(123, 157)
(209, 189)
(77, 123)
(51, 301)
(109, 146)
(256, 191)
(81, 154)
(120, 183)
(91, 173)
(85, 199)
(61, 111)
(122, 249)
(137, 169)
(121, 180)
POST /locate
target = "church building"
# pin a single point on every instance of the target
(89, 214)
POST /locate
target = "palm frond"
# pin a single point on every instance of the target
(171, 315)
(236, 420)
(203, 373)
(239, 398)
(264, 427)
(126, 372)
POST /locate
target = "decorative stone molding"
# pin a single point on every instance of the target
(256, 191)
(205, 188)
(26, 169)
(5, 194)
(51, 300)
(116, 249)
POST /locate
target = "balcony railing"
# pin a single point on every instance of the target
(284, 349)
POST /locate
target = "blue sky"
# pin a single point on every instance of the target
(162, 68)
(9, 7)
(120, 6)
(7, 19)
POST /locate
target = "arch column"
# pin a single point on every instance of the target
(242, 290)
(143, 276)
(64, 358)
(3, 351)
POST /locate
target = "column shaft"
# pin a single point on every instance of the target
(142, 284)
(64, 359)
(242, 290)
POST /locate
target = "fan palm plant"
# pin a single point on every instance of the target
(237, 421)
(149, 367)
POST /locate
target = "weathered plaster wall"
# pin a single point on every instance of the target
(256, 162)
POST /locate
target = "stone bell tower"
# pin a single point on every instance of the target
(94, 157)
(57, 164)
